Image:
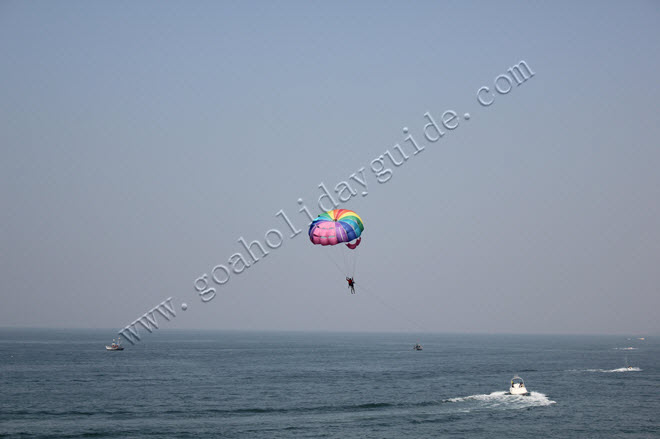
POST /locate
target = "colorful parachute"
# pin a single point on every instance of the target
(335, 227)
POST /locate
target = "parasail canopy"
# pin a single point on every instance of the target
(335, 227)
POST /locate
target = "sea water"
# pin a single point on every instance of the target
(189, 384)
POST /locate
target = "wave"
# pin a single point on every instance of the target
(505, 400)
(366, 407)
(63, 412)
(629, 348)
(310, 409)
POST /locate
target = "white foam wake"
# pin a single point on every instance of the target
(621, 369)
(505, 401)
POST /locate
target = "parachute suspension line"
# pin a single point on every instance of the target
(327, 255)
(344, 257)
(349, 261)
(354, 263)
(394, 309)
(351, 258)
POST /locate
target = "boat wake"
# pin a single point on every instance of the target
(503, 400)
(629, 348)
(621, 369)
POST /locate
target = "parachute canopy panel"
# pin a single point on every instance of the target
(335, 227)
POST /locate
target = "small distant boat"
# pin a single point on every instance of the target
(115, 346)
(417, 347)
(518, 386)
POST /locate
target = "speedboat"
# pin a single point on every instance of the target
(417, 347)
(518, 386)
(115, 346)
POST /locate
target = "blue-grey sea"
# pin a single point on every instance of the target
(191, 384)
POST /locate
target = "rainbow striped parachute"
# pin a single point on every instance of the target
(335, 227)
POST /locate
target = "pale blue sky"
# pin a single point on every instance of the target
(141, 140)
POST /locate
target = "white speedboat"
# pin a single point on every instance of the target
(518, 386)
(115, 346)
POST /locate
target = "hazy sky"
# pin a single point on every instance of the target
(141, 140)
